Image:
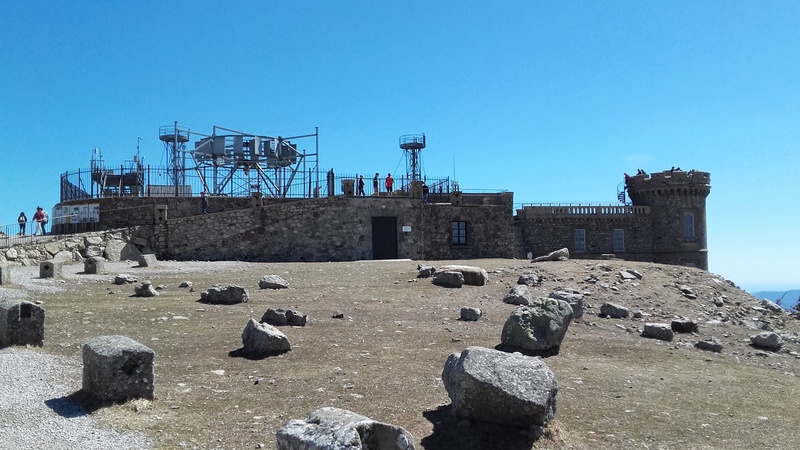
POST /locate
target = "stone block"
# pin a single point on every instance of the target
(148, 260)
(21, 323)
(117, 368)
(5, 275)
(94, 265)
(49, 269)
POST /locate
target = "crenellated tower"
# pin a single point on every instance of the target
(677, 201)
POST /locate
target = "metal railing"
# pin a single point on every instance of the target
(146, 181)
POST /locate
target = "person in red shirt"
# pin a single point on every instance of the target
(389, 183)
(40, 217)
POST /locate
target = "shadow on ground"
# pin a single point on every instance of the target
(450, 433)
(77, 404)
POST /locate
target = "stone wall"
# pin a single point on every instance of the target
(336, 229)
(114, 245)
(541, 235)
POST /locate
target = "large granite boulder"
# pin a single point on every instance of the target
(473, 276)
(767, 339)
(539, 327)
(509, 389)
(339, 429)
(262, 339)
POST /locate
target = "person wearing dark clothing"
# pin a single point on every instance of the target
(360, 190)
(425, 191)
(22, 220)
(375, 186)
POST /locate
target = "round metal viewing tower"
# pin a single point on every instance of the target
(412, 144)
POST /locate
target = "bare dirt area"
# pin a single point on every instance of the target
(384, 357)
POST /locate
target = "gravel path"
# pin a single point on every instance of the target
(35, 412)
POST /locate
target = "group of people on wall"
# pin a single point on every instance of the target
(388, 184)
(40, 219)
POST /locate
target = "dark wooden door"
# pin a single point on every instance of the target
(384, 238)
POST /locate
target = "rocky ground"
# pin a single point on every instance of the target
(384, 357)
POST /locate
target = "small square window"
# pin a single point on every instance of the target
(459, 233)
(580, 240)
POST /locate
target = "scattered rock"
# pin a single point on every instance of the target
(709, 344)
(771, 306)
(473, 276)
(124, 278)
(530, 279)
(280, 317)
(145, 289)
(339, 429)
(571, 296)
(426, 271)
(228, 295)
(558, 255)
(687, 292)
(767, 339)
(450, 279)
(538, 328)
(470, 314)
(519, 295)
(272, 282)
(185, 284)
(509, 389)
(660, 331)
(264, 339)
(684, 326)
(613, 311)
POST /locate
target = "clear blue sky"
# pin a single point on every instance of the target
(552, 100)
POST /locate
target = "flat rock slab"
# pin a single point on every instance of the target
(660, 331)
(449, 279)
(473, 276)
(228, 295)
(272, 282)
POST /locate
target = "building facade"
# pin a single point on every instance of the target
(665, 223)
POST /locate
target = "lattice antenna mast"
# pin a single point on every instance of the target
(413, 144)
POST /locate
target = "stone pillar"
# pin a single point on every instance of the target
(49, 269)
(348, 187)
(117, 368)
(21, 323)
(5, 275)
(94, 265)
(148, 260)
